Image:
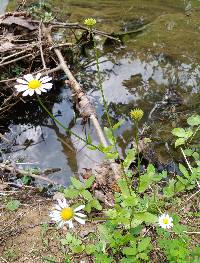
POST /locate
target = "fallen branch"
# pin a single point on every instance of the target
(21, 173)
(86, 109)
(16, 59)
(77, 26)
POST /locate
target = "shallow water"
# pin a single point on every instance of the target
(3, 5)
(157, 70)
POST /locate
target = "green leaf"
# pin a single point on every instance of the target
(179, 132)
(179, 229)
(89, 182)
(151, 169)
(184, 171)
(179, 142)
(92, 148)
(89, 139)
(179, 187)
(188, 152)
(128, 259)
(71, 193)
(130, 157)
(107, 149)
(13, 205)
(146, 217)
(95, 203)
(169, 190)
(135, 231)
(129, 251)
(123, 187)
(143, 256)
(87, 195)
(111, 155)
(145, 182)
(144, 244)
(64, 242)
(109, 135)
(194, 120)
(77, 249)
(90, 249)
(182, 180)
(102, 258)
(117, 125)
(26, 179)
(130, 201)
(76, 183)
(196, 156)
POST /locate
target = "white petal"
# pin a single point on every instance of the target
(46, 79)
(38, 76)
(38, 91)
(21, 87)
(28, 77)
(61, 224)
(57, 207)
(80, 207)
(70, 224)
(62, 203)
(22, 81)
(80, 214)
(65, 204)
(25, 93)
(31, 92)
(55, 217)
(47, 86)
(80, 220)
(43, 90)
(55, 214)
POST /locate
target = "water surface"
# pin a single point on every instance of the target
(156, 69)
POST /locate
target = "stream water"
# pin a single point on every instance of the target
(156, 69)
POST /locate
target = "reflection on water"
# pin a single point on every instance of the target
(3, 5)
(165, 86)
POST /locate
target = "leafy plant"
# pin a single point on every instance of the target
(79, 189)
(13, 205)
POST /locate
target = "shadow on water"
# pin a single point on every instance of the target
(156, 70)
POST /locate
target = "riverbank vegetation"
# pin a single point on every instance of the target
(131, 209)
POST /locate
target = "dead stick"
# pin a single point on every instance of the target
(40, 46)
(77, 26)
(14, 60)
(75, 85)
(26, 173)
(44, 73)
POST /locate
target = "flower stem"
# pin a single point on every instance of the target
(138, 152)
(107, 110)
(65, 128)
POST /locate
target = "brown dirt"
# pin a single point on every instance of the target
(27, 236)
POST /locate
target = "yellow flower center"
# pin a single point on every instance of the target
(137, 114)
(66, 213)
(34, 84)
(165, 221)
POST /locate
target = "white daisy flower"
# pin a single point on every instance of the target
(165, 221)
(28, 85)
(63, 214)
